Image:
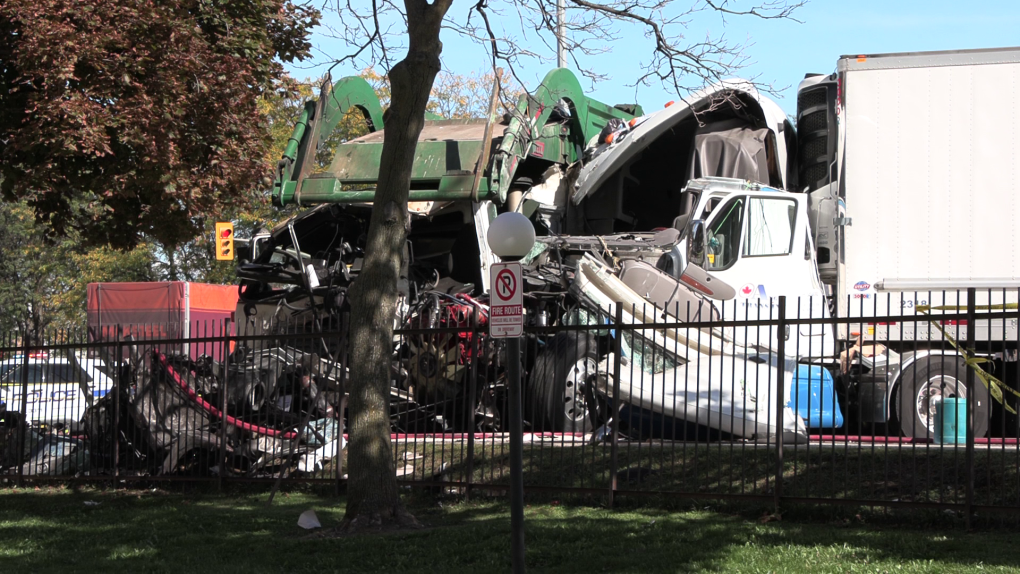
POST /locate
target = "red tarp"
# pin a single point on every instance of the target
(160, 311)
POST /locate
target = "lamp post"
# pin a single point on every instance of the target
(511, 236)
(561, 34)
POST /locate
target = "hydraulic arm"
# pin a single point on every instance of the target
(551, 125)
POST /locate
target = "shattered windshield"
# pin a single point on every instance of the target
(648, 356)
(769, 226)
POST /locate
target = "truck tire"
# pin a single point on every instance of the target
(926, 381)
(560, 383)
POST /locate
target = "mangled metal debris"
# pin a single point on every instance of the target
(605, 187)
(263, 413)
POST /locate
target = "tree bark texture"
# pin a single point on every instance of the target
(372, 495)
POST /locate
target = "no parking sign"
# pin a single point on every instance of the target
(506, 301)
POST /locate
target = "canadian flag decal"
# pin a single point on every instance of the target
(748, 290)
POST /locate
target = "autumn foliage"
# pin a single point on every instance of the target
(128, 117)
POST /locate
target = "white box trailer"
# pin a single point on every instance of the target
(911, 162)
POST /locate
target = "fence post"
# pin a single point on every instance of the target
(225, 350)
(23, 427)
(614, 410)
(118, 385)
(343, 354)
(472, 399)
(781, 328)
(971, 328)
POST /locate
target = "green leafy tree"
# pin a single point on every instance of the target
(453, 96)
(43, 281)
(123, 118)
(463, 96)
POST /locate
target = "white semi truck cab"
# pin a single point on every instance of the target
(758, 239)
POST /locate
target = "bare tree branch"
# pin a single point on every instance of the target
(510, 32)
(772, 10)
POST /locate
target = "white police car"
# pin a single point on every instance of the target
(55, 388)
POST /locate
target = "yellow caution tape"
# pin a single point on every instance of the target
(1003, 307)
(994, 385)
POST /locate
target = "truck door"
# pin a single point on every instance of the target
(760, 245)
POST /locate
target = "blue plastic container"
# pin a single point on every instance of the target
(951, 421)
(814, 397)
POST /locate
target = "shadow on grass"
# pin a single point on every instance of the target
(54, 530)
(927, 474)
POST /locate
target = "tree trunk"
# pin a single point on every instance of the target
(36, 333)
(171, 262)
(373, 499)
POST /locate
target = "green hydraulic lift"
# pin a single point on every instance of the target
(448, 150)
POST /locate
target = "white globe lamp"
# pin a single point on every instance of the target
(511, 236)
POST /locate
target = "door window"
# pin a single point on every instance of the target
(62, 373)
(724, 234)
(35, 375)
(769, 226)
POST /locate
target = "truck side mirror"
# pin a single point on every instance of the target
(258, 245)
(673, 263)
(697, 244)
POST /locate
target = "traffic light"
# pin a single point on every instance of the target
(224, 241)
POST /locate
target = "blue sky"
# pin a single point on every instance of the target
(782, 51)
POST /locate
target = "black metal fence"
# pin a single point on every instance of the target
(761, 402)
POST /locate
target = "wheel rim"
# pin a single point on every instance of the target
(574, 403)
(931, 393)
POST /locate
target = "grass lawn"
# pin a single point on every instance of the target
(54, 530)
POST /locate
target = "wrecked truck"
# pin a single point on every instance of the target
(891, 222)
(601, 240)
(274, 402)
(901, 219)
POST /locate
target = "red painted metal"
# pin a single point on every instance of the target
(289, 435)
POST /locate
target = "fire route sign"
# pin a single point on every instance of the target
(506, 301)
